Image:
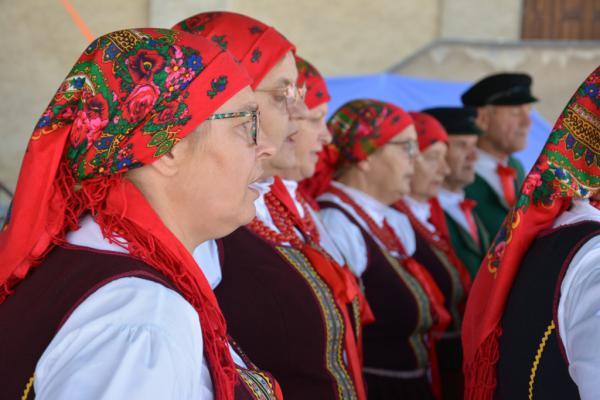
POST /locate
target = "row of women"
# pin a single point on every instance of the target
(186, 226)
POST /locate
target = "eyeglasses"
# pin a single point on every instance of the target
(290, 93)
(411, 147)
(255, 120)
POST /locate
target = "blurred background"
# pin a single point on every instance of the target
(418, 53)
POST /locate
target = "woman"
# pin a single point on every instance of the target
(434, 249)
(531, 323)
(116, 307)
(287, 284)
(371, 160)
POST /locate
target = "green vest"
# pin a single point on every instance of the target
(466, 248)
(491, 207)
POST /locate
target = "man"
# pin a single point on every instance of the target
(467, 233)
(503, 103)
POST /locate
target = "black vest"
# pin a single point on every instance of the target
(284, 316)
(42, 302)
(396, 341)
(532, 358)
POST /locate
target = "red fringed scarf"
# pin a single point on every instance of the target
(130, 97)
(339, 279)
(392, 243)
(568, 168)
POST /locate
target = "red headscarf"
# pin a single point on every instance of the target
(130, 97)
(359, 127)
(257, 46)
(316, 88)
(568, 168)
(429, 130)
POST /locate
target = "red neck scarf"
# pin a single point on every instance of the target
(438, 239)
(129, 98)
(343, 285)
(566, 169)
(257, 46)
(392, 243)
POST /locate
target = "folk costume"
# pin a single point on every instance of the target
(467, 233)
(407, 306)
(531, 325)
(97, 297)
(497, 181)
(286, 301)
(435, 252)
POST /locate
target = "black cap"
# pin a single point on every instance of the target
(500, 89)
(456, 120)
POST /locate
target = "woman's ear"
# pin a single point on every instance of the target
(364, 165)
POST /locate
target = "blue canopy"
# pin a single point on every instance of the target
(414, 94)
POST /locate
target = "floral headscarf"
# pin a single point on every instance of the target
(129, 98)
(316, 88)
(257, 46)
(568, 168)
(359, 127)
(429, 130)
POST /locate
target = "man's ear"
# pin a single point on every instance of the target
(483, 118)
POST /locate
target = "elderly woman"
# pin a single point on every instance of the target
(271, 277)
(434, 248)
(371, 159)
(531, 325)
(148, 148)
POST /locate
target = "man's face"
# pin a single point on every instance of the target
(461, 157)
(507, 127)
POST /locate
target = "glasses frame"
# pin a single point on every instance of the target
(411, 147)
(292, 93)
(255, 114)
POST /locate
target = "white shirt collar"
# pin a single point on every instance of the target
(262, 212)
(373, 207)
(421, 210)
(450, 202)
(581, 210)
(447, 197)
(292, 187)
(486, 167)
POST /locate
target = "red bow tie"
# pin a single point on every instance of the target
(507, 180)
(467, 206)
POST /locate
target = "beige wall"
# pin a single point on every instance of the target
(39, 45)
(484, 19)
(341, 37)
(557, 69)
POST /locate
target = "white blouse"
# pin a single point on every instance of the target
(130, 339)
(450, 202)
(579, 305)
(347, 235)
(486, 167)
